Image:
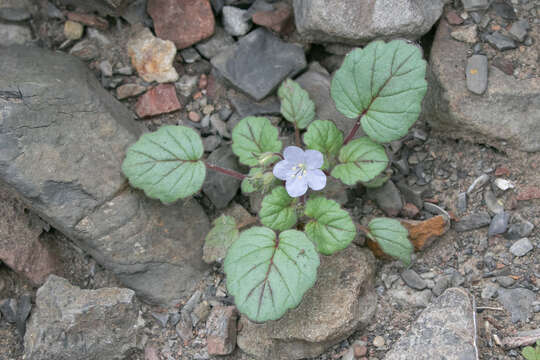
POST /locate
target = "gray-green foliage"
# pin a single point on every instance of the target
(270, 268)
(531, 353)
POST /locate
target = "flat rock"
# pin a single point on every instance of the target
(506, 115)
(444, 330)
(341, 302)
(412, 279)
(387, 198)
(499, 223)
(465, 34)
(317, 84)
(13, 34)
(221, 330)
(259, 62)
(279, 19)
(518, 302)
(521, 247)
(408, 297)
(76, 185)
(161, 99)
(70, 323)
(473, 221)
(246, 106)
(152, 57)
(519, 230)
(14, 14)
(474, 5)
(20, 246)
(518, 30)
(215, 44)
(183, 22)
(358, 22)
(477, 74)
(500, 41)
(129, 90)
(220, 188)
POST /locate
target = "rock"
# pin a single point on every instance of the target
(521, 247)
(280, 19)
(200, 313)
(77, 186)
(473, 221)
(462, 203)
(503, 184)
(529, 193)
(478, 183)
(161, 318)
(477, 74)
(412, 279)
(474, 5)
(152, 57)
(465, 34)
(186, 85)
(504, 10)
(24, 306)
(453, 18)
(505, 116)
(246, 106)
(12, 34)
(106, 68)
(219, 126)
(378, 341)
(342, 301)
(70, 323)
(8, 308)
(499, 223)
(105, 7)
(500, 42)
(221, 330)
(317, 84)
(215, 44)
(234, 21)
(505, 281)
(408, 297)
(519, 230)
(518, 30)
(20, 246)
(85, 50)
(14, 14)
(443, 283)
(135, 13)
(183, 22)
(489, 291)
(129, 90)
(220, 188)
(89, 20)
(445, 330)
(259, 62)
(409, 210)
(493, 205)
(356, 22)
(161, 99)
(518, 302)
(387, 197)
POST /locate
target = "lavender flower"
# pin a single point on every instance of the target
(300, 169)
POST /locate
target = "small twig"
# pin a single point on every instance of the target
(229, 172)
(489, 308)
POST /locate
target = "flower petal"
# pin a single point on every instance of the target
(283, 170)
(316, 179)
(314, 159)
(294, 154)
(296, 186)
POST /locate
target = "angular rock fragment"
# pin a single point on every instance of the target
(159, 100)
(221, 330)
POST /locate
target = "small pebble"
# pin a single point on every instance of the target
(106, 68)
(194, 116)
(521, 247)
(73, 30)
(378, 341)
(499, 224)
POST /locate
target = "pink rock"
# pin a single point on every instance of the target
(279, 20)
(159, 100)
(184, 22)
(20, 246)
(221, 330)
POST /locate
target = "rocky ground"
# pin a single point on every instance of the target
(461, 173)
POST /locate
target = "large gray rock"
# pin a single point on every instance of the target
(70, 323)
(221, 188)
(506, 114)
(62, 142)
(342, 301)
(358, 22)
(259, 62)
(444, 330)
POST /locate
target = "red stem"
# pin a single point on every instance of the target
(229, 172)
(354, 129)
(297, 136)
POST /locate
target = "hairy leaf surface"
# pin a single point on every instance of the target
(253, 137)
(296, 106)
(392, 237)
(278, 210)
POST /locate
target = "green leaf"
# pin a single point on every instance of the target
(384, 83)
(258, 180)
(266, 275)
(332, 228)
(324, 136)
(166, 163)
(378, 181)
(278, 210)
(296, 106)
(220, 238)
(529, 353)
(361, 160)
(392, 237)
(253, 137)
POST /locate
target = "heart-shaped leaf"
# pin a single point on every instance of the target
(268, 275)
(331, 227)
(361, 160)
(165, 164)
(278, 210)
(253, 137)
(392, 237)
(296, 106)
(324, 136)
(220, 238)
(384, 84)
